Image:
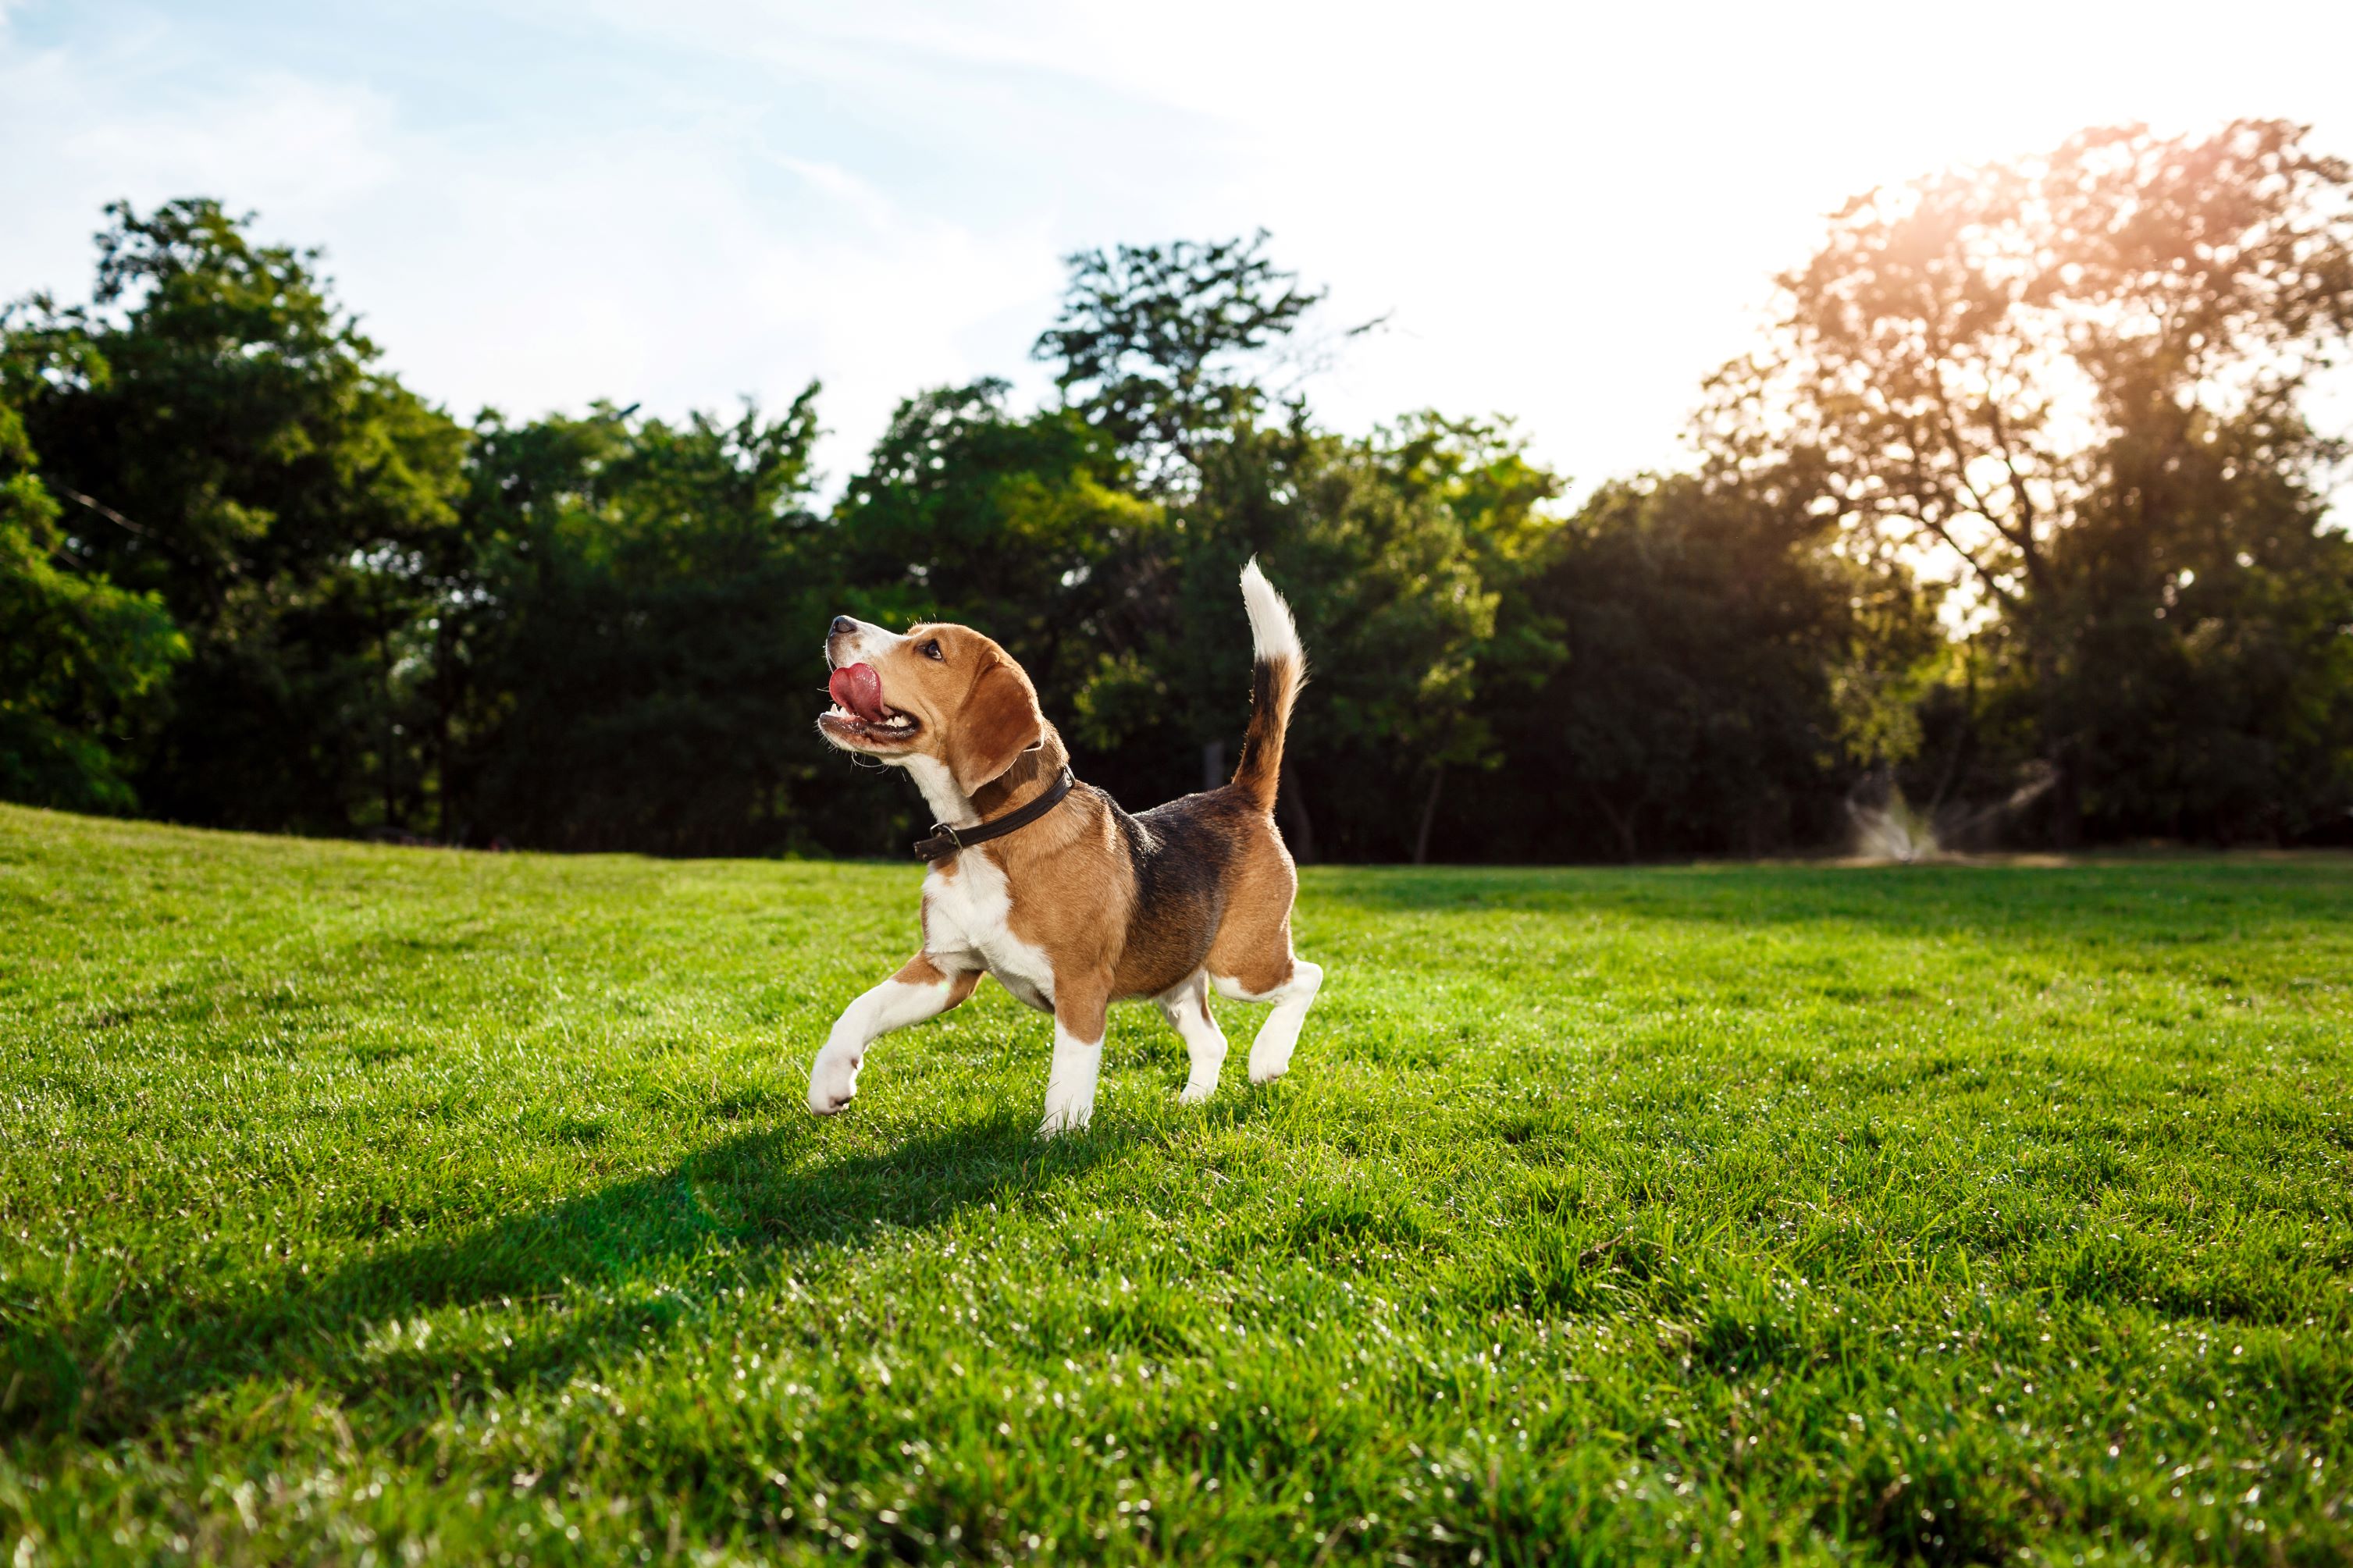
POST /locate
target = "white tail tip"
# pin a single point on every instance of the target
(1273, 635)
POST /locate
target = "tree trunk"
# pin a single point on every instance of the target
(1296, 825)
(390, 782)
(1622, 821)
(2066, 799)
(2059, 748)
(1428, 816)
(1213, 763)
(444, 680)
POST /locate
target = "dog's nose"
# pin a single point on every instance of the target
(843, 624)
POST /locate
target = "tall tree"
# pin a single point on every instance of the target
(1160, 346)
(80, 659)
(634, 646)
(1165, 348)
(1369, 538)
(245, 459)
(1709, 695)
(2078, 378)
(1025, 525)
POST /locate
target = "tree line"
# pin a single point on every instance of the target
(2017, 513)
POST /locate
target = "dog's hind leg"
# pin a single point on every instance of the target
(921, 989)
(1187, 1008)
(1292, 994)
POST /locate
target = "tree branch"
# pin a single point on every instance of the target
(101, 508)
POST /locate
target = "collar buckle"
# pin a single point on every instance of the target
(945, 840)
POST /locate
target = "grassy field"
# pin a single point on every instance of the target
(393, 1206)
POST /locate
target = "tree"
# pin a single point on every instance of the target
(245, 461)
(1477, 475)
(80, 659)
(2209, 688)
(1369, 538)
(1163, 349)
(1156, 345)
(1026, 526)
(633, 647)
(1704, 699)
(2067, 377)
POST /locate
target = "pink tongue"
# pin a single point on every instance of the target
(857, 688)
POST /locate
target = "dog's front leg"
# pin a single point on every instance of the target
(922, 989)
(1081, 1004)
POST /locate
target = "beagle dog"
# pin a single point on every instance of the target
(1071, 904)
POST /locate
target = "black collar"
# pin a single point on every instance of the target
(946, 841)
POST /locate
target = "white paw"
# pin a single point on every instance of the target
(833, 1082)
(1267, 1070)
(1071, 1119)
(1193, 1093)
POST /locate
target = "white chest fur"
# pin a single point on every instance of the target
(970, 912)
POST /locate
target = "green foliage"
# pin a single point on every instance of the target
(443, 1206)
(633, 642)
(1155, 344)
(2209, 693)
(79, 657)
(1706, 630)
(254, 471)
(2078, 378)
(1370, 540)
(1026, 526)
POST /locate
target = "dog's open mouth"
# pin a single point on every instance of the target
(859, 712)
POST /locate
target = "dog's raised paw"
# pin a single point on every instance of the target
(832, 1085)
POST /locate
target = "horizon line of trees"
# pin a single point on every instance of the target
(2017, 513)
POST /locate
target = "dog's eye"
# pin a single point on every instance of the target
(932, 650)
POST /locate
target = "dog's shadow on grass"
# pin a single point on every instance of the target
(566, 1286)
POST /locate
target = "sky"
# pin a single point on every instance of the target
(1567, 215)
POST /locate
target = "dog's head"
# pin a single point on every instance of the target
(941, 691)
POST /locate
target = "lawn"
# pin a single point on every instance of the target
(387, 1204)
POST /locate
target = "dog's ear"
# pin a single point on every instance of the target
(1000, 722)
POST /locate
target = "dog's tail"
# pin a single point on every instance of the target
(1278, 669)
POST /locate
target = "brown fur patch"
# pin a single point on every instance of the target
(1129, 907)
(920, 971)
(999, 722)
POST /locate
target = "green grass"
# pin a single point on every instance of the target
(391, 1206)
